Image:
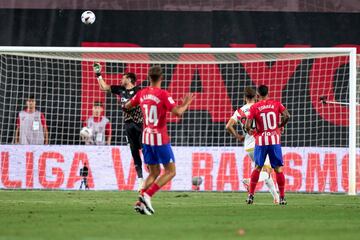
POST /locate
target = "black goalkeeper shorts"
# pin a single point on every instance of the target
(134, 134)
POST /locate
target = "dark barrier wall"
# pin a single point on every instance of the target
(178, 29)
(174, 29)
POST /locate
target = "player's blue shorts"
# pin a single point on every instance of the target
(274, 152)
(158, 154)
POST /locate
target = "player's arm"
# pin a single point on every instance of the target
(230, 128)
(17, 131)
(133, 102)
(285, 116)
(46, 132)
(103, 85)
(248, 125)
(180, 109)
(108, 133)
(249, 121)
(46, 135)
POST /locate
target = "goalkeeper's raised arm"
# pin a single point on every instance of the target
(101, 81)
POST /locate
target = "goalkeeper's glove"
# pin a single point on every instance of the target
(97, 69)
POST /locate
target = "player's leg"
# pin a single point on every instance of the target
(269, 182)
(276, 160)
(260, 153)
(165, 156)
(263, 175)
(152, 162)
(133, 133)
(154, 171)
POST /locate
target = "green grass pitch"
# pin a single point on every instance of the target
(179, 215)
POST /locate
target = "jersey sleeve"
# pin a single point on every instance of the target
(169, 101)
(108, 129)
(43, 120)
(251, 113)
(281, 108)
(18, 121)
(116, 89)
(135, 100)
(236, 116)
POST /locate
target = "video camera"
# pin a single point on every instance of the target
(84, 172)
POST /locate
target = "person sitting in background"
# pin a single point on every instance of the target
(31, 125)
(99, 126)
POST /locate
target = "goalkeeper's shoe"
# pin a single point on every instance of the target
(146, 200)
(246, 182)
(250, 199)
(282, 201)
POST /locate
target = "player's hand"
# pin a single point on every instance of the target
(282, 130)
(251, 132)
(188, 98)
(240, 138)
(97, 68)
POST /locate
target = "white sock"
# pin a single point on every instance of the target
(270, 184)
(263, 176)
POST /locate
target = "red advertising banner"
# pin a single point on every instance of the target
(307, 169)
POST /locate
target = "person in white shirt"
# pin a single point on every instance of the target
(99, 125)
(31, 127)
(240, 116)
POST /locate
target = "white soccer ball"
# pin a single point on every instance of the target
(197, 181)
(86, 133)
(88, 17)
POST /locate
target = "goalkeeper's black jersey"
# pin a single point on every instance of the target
(134, 114)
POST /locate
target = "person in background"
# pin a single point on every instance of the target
(31, 125)
(100, 126)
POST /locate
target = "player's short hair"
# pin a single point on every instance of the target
(249, 92)
(132, 77)
(263, 90)
(155, 73)
(98, 104)
(32, 97)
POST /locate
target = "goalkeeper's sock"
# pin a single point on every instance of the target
(270, 184)
(263, 176)
(280, 179)
(152, 189)
(254, 180)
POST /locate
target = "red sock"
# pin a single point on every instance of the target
(254, 180)
(142, 191)
(152, 189)
(280, 179)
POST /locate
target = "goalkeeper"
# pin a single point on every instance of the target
(133, 118)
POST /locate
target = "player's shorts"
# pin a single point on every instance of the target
(158, 154)
(273, 151)
(251, 155)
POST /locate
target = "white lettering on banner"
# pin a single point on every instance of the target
(110, 168)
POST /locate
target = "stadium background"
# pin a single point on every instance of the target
(137, 26)
(173, 24)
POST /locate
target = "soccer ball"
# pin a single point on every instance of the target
(196, 181)
(88, 17)
(86, 133)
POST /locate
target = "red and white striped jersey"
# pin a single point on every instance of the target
(266, 114)
(154, 103)
(240, 116)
